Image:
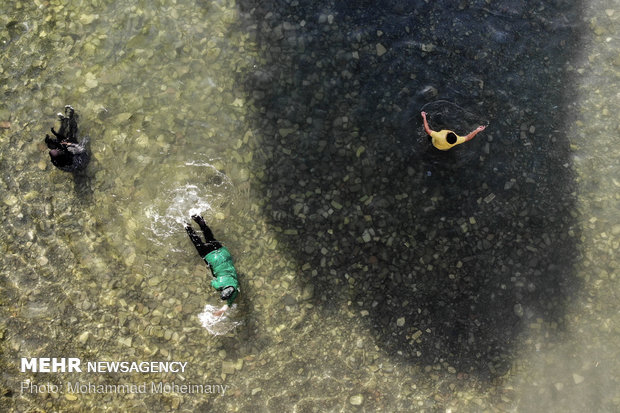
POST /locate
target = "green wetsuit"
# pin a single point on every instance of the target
(221, 263)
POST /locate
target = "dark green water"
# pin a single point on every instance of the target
(377, 273)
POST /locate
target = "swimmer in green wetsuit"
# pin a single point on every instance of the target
(219, 260)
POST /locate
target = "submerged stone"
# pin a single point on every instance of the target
(356, 400)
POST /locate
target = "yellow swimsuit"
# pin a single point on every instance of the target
(446, 139)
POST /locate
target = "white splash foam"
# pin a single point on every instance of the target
(218, 325)
(173, 209)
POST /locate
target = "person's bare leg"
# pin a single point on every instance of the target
(200, 246)
(204, 227)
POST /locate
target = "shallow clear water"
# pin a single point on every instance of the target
(377, 273)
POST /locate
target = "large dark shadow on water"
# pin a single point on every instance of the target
(467, 246)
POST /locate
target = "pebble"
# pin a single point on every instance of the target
(122, 117)
(83, 338)
(289, 300)
(284, 132)
(87, 18)
(400, 322)
(429, 92)
(380, 49)
(228, 367)
(356, 400)
(518, 310)
(142, 140)
(366, 236)
(91, 81)
(243, 175)
(10, 200)
(509, 184)
(307, 292)
(125, 341)
(577, 378)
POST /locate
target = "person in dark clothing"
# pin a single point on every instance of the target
(66, 153)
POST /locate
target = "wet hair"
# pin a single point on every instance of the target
(451, 138)
(227, 292)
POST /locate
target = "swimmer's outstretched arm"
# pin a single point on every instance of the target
(474, 133)
(426, 127)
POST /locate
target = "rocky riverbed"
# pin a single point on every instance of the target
(377, 273)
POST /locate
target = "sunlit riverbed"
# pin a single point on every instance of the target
(377, 274)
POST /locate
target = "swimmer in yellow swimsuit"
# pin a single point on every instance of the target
(446, 139)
